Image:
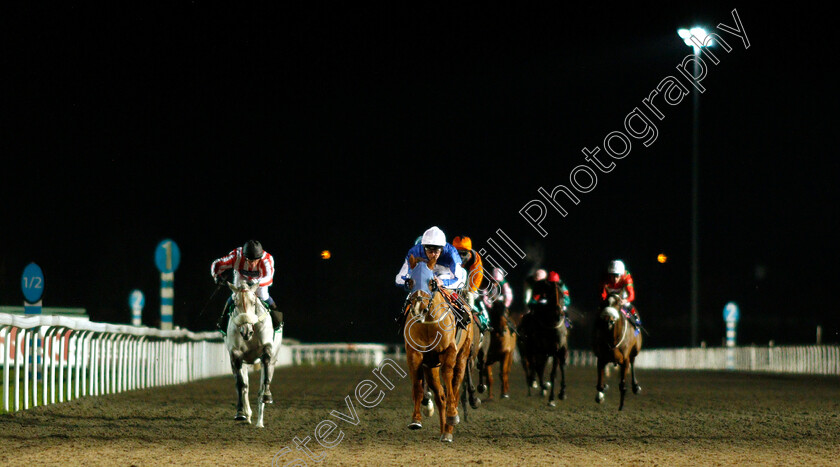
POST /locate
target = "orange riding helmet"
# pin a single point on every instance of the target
(462, 243)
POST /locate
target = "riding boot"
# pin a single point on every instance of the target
(276, 315)
(482, 317)
(483, 320)
(222, 323)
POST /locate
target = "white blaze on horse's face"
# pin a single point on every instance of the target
(245, 300)
(610, 314)
(420, 304)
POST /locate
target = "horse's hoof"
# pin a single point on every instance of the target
(428, 395)
(637, 389)
(475, 403)
(259, 425)
(534, 385)
(240, 417)
(446, 438)
(481, 388)
(562, 396)
(552, 404)
(599, 398)
(505, 396)
(415, 426)
(453, 420)
(267, 399)
(547, 385)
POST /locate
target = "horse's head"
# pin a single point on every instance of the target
(423, 292)
(245, 302)
(609, 311)
(548, 305)
(421, 277)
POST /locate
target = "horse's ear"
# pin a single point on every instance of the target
(254, 287)
(232, 287)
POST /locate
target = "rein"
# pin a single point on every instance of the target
(623, 333)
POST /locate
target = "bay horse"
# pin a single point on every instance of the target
(250, 337)
(497, 349)
(545, 335)
(437, 351)
(616, 341)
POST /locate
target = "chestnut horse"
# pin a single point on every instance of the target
(498, 348)
(545, 335)
(616, 341)
(436, 349)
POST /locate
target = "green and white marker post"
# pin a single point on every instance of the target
(167, 258)
(136, 300)
(731, 314)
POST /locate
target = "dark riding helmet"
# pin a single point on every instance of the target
(253, 250)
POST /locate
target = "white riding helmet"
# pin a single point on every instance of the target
(616, 267)
(433, 236)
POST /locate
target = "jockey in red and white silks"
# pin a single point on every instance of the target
(261, 271)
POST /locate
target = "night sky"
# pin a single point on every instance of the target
(355, 130)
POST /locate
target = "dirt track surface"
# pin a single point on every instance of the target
(681, 418)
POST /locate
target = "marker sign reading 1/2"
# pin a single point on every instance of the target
(32, 283)
(167, 256)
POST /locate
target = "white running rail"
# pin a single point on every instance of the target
(810, 359)
(336, 354)
(49, 359)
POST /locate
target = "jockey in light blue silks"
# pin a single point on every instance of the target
(448, 271)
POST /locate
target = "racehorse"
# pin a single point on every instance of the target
(518, 319)
(498, 348)
(546, 335)
(616, 341)
(437, 350)
(250, 337)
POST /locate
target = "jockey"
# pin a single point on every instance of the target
(554, 277)
(544, 289)
(619, 281)
(506, 292)
(530, 282)
(471, 262)
(448, 271)
(250, 264)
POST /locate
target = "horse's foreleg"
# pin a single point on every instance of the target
(264, 396)
(416, 372)
(622, 386)
(539, 368)
(267, 359)
(482, 375)
(433, 380)
(564, 352)
(507, 361)
(554, 363)
(489, 370)
(475, 402)
(636, 388)
(600, 385)
(447, 373)
(243, 405)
